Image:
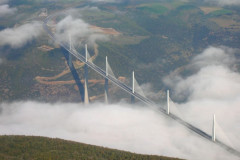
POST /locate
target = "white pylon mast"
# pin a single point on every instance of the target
(106, 83)
(106, 66)
(86, 52)
(86, 98)
(133, 79)
(214, 129)
(168, 102)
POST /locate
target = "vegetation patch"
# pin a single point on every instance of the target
(154, 8)
(221, 12)
(40, 148)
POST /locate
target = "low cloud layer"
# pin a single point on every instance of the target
(214, 76)
(224, 2)
(21, 35)
(117, 126)
(5, 9)
(78, 30)
(213, 87)
(3, 1)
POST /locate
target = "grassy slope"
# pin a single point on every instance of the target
(156, 39)
(154, 8)
(24, 147)
(220, 12)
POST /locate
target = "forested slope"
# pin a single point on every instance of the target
(28, 147)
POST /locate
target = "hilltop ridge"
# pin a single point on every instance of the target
(31, 147)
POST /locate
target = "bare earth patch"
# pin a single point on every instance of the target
(207, 10)
(227, 23)
(77, 64)
(54, 83)
(109, 31)
(45, 48)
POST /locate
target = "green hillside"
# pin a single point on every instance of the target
(155, 38)
(25, 147)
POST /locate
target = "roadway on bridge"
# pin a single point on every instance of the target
(128, 89)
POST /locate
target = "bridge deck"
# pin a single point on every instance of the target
(128, 89)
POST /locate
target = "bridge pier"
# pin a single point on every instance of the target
(70, 55)
(168, 103)
(214, 129)
(86, 98)
(133, 88)
(106, 83)
(70, 64)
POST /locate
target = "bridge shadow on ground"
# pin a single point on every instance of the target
(74, 73)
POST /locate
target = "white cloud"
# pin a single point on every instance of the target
(147, 89)
(225, 2)
(3, 1)
(213, 88)
(19, 36)
(5, 9)
(214, 75)
(117, 126)
(214, 57)
(78, 30)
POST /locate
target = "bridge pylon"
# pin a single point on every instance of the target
(214, 129)
(86, 98)
(133, 88)
(106, 82)
(168, 103)
(142, 99)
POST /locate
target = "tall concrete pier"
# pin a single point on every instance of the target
(214, 129)
(133, 88)
(86, 98)
(106, 82)
(168, 103)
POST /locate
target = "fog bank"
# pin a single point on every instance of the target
(211, 87)
(117, 126)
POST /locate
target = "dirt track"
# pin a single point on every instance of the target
(77, 65)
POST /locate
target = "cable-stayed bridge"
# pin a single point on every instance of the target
(131, 90)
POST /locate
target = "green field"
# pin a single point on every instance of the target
(221, 12)
(153, 8)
